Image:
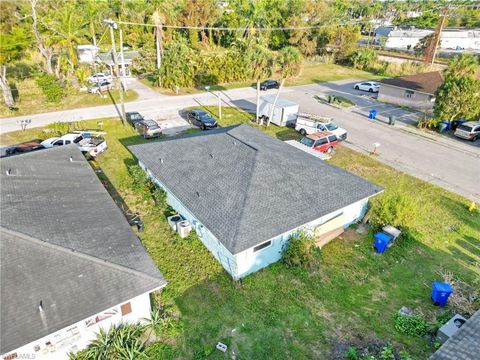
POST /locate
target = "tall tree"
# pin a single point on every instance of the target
(44, 45)
(261, 65)
(289, 62)
(459, 95)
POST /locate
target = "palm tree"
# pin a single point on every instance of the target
(68, 28)
(290, 63)
(261, 62)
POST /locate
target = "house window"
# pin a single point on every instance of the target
(409, 93)
(262, 246)
(126, 309)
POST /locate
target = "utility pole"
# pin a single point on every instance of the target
(431, 50)
(122, 59)
(114, 26)
(157, 19)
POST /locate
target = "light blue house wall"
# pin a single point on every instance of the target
(249, 261)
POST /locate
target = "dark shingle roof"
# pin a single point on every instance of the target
(426, 82)
(464, 344)
(65, 242)
(247, 187)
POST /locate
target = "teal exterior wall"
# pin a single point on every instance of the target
(249, 261)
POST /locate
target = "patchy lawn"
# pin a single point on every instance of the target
(311, 73)
(278, 313)
(30, 100)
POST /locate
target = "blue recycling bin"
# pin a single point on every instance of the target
(443, 126)
(382, 241)
(372, 114)
(440, 293)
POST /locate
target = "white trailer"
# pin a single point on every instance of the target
(285, 112)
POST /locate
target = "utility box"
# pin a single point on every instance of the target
(450, 328)
(284, 114)
(440, 293)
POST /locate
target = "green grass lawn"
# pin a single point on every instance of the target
(32, 101)
(279, 313)
(311, 73)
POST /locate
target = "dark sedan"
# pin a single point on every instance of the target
(202, 119)
(269, 84)
(25, 147)
(134, 117)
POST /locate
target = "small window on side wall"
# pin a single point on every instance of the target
(262, 246)
(126, 309)
(409, 93)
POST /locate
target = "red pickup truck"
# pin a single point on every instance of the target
(323, 141)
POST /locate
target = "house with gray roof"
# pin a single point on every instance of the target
(246, 193)
(464, 344)
(70, 262)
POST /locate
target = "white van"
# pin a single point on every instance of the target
(311, 124)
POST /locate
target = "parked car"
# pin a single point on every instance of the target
(269, 84)
(469, 130)
(324, 141)
(93, 145)
(311, 124)
(25, 147)
(71, 138)
(201, 119)
(370, 86)
(101, 87)
(134, 117)
(99, 77)
(148, 129)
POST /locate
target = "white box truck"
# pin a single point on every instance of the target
(285, 112)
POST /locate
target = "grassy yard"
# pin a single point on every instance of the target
(30, 100)
(279, 313)
(311, 73)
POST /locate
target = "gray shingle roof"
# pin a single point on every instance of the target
(65, 242)
(464, 344)
(247, 187)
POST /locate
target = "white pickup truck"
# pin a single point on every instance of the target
(311, 124)
(85, 140)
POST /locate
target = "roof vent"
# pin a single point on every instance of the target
(40, 306)
(9, 172)
(161, 160)
(234, 142)
(198, 194)
(211, 155)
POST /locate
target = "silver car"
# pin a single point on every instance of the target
(469, 130)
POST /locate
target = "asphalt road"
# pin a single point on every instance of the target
(451, 163)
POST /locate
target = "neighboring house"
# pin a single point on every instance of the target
(414, 91)
(246, 194)
(464, 344)
(406, 39)
(87, 53)
(128, 57)
(70, 263)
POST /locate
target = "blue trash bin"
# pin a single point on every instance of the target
(444, 126)
(372, 114)
(440, 293)
(382, 241)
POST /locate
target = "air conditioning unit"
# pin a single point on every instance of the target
(450, 328)
(173, 220)
(184, 228)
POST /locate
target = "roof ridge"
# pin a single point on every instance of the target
(244, 202)
(79, 254)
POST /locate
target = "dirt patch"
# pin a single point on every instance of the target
(363, 349)
(351, 235)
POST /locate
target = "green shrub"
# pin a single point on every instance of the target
(395, 207)
(140, 181)
(59, 128)
(387, 353)
(51, 88)
(404, 355)
(160, 197)
(301, 251)
(411, 325)
(428, 124)
(352, 353)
